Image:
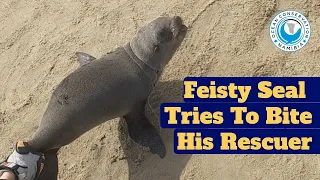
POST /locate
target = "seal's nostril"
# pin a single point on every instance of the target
(183, 28)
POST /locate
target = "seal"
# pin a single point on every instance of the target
(116, 85)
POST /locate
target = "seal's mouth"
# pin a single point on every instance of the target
(177, 27)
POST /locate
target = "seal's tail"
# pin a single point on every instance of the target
(50, 171)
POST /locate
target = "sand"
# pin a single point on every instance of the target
(38, 39)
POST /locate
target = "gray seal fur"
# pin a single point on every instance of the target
(115, 85)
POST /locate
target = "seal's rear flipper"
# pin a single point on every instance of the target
(84, 58)
(50, 171)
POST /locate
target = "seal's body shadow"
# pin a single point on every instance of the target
(143, 164)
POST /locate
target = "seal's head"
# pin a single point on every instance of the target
(156, 42)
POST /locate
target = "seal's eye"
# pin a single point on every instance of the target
(156, 48)
(165, 35)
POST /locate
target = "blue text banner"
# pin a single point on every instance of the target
(271, 141)
(234, 115)
(251, 89)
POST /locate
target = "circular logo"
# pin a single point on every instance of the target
(290, 30)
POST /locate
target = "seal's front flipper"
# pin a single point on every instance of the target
(84, 58)
(143, 132)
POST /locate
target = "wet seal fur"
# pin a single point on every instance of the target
(116, 85)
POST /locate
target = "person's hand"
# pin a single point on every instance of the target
(23, 163)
